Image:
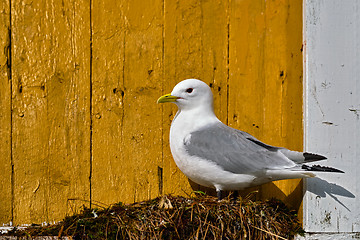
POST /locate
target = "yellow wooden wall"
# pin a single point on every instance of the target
(79, 82)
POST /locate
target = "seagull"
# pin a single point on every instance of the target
(215, 155)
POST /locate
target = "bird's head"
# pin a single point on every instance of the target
(190, 94)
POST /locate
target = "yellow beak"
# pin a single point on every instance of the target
(167, 98)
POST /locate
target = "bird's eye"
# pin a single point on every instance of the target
(189, 90)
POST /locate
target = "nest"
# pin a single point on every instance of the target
(170, 217)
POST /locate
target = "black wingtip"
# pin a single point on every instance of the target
(310, 157)
(318, 168)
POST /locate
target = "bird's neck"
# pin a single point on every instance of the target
(193, 119)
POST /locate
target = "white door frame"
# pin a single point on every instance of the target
(332, 116)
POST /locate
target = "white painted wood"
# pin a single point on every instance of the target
(328, 236)
(332, 115)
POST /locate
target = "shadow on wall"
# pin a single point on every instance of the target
(321, 188)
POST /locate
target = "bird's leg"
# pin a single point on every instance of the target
(219, 194)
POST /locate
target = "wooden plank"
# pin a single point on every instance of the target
(214, 40)
(265, 75)
(127, 73)
(142, 70)
(109, 175)
(246, 79)
(5, 115)
(283, 74)
(50, 109)
(195, 46)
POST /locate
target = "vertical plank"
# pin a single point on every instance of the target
(246, 59)
(127, 125)
(143, 69)
(214, 43)
(266, 79)
(110, 175)
(68, 107)
(50, 108)
(30, 150)
(5, 115)
(283, 74)
(195, 41)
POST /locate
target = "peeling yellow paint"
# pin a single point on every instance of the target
(50, 106)
(5, 115)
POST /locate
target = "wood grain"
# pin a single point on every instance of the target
(126, 81)
(50, 109)
(5, 115)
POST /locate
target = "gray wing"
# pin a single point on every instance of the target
(234, 150)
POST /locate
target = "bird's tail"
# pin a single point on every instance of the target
(301, 157)
(318, 168)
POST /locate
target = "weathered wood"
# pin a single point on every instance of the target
(143, 69)
(5, 115)
(110, 175)
(265, 76)
(283, 69)
(215, 28)
(127, 73)
(51, 79)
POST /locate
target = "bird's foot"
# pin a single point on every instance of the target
(219, 195)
